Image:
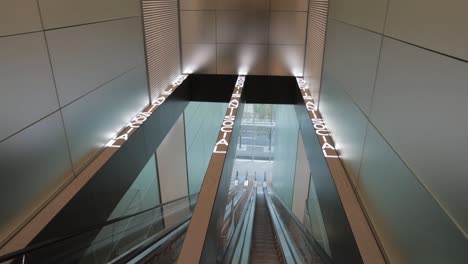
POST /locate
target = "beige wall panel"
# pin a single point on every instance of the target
(63, 13)
(13, 23)
(420, 108)
(27, 91)
(435, 25)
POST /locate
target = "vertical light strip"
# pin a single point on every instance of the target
(161, 26)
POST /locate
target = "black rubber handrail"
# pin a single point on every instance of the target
(53, 241)
(133, 253)
(309, 238)
(234, 242)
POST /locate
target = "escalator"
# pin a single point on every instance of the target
(258, 229)
(270, 233)
(264, 243)
(267, 232)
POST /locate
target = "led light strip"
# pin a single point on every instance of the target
(230, 117)
(328, 147)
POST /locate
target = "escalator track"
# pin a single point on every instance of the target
(264, 243)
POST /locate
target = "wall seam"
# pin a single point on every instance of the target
(23, 33)
(62, 119)
(403, 41)
(90, 23)
(99, 87)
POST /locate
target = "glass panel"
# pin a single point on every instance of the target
(285, 148)
(142, 195)
(303, 244)
(202, 122)
(116, 238)
(240, 187)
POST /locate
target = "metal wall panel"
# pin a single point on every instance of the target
(33, 164)
(162, 39)
(199, 58)
(86, 57)
(289, 5)
(411, 226)
(316, 28)
(352, 47)
(288, 28)
(286, 60)
(198, 27)
(412, 84)
(95, 118)
(242, 59)
(243, 5)
(27, 91)
(414, 88)
(368, 14)
(63, 13)
(197, 4)
(242, 27)
(11, 23)
(441, 27)
(242, 22)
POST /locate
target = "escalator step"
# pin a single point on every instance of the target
(264, 248)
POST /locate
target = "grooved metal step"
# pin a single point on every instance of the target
(264, 245)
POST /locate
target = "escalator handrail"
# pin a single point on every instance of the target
(228, 254)
(247, 241)
(140, 249)
(53, 241)
(287, 250)
(310, 239)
